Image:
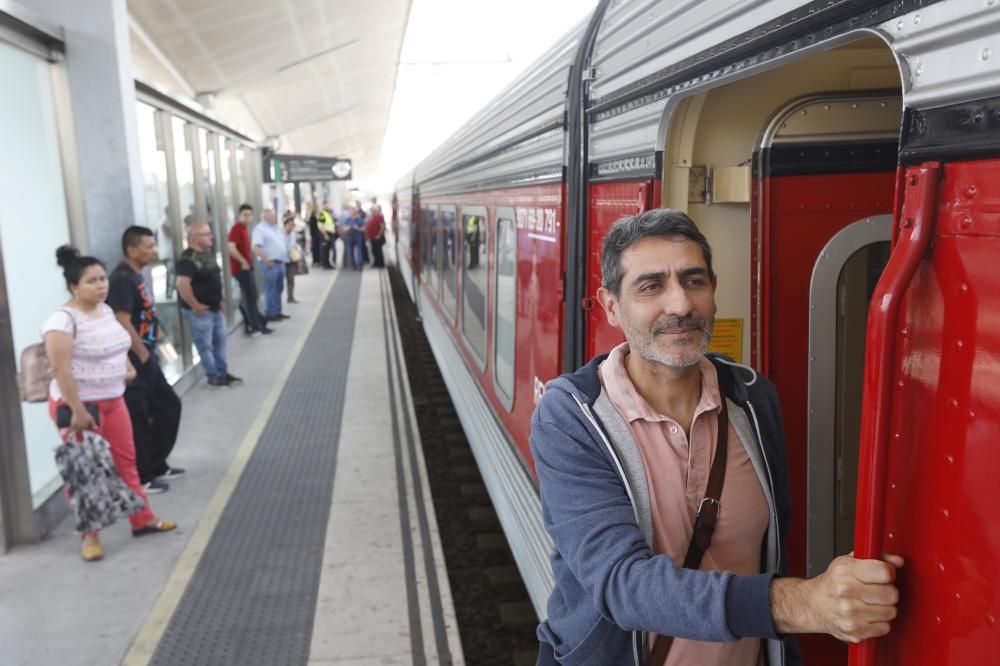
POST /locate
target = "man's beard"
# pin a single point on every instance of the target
(651, 347)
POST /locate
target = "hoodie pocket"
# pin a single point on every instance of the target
(597, 647)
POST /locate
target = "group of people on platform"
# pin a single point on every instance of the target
(363, 235)
(102, 348)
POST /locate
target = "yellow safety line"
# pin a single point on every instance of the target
(163, 610)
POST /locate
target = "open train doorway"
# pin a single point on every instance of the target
(791, 175)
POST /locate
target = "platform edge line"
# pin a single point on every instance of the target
(144, 644)
(452, 651)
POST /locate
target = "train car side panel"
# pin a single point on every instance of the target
(608, 203)
(940, 482)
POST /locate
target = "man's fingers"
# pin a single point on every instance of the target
(880, 595)
(874, 571)
(894, 560)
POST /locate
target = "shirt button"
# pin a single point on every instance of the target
(673, 430)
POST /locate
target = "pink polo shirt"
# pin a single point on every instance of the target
(677, 474)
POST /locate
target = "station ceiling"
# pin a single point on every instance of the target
(317, 74)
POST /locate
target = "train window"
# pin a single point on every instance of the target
(474, 285)
(505, 303)
(429, 232)
(448, 273)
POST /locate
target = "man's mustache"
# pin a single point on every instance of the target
(675, 324)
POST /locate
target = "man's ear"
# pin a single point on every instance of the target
(610, 304)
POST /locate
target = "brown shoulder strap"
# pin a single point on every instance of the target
(704, 522)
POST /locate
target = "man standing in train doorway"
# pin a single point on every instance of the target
(664, 486)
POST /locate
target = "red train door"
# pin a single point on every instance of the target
(608, 203)
(826, 177)
(928, 481)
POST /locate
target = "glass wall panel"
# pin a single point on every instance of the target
(154, 172)
(226, 207)
(505, 314)
(474, 283)
(208, 172)
(184, 166)
(240, 177)
(33, 223)
(448, 273)
(224, 197)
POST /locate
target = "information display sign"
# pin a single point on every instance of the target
(305, 168)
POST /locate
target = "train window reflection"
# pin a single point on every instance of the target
(448, 273)
(505, 304)
(474, 228)
(429, 232)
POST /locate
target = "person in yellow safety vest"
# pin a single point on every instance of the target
(472, 239)
(327, 226)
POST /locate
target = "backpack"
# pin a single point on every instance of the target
(36, 371)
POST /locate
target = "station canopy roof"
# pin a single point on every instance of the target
(316, 74)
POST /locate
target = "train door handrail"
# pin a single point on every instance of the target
(914, 232)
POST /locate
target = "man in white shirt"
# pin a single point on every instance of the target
(272, 251)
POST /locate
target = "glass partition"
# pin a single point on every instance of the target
(240, 176)
(184, 166)
(184, 161)
(33, 223)
(158, 218)
(207, 172)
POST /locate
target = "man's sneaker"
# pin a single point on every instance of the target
(218, 382)
(266, 330)
(172, 473)
(254, 333)
(233, 380)
(155, 487)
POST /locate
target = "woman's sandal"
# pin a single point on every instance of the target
(161, 525)
(92, 552)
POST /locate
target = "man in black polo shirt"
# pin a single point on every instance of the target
(154, 407)
(199, 282)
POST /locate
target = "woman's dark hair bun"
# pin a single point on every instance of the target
(66, 255)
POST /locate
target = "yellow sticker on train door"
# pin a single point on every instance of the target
(727, 338)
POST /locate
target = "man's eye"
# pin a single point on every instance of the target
(696, 282)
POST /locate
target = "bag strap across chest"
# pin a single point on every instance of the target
(704, 522)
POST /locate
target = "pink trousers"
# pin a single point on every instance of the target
(116, 427)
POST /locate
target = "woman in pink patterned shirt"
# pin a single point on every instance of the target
(88, 351)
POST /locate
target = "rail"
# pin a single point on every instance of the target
(913, 233)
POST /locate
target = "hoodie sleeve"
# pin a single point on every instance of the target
(590, 517)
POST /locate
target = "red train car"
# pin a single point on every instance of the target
(842, 159)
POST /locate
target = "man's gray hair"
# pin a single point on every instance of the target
(626, 232)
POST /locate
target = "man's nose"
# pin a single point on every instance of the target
(676, 300)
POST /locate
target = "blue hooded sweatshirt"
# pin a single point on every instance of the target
(610, 588)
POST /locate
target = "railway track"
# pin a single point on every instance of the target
(495, 616)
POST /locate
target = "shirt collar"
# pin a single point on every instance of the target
(633, 406)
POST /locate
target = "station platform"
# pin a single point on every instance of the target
(307, 532)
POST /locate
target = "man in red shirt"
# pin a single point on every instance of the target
(375, 233)
(242, 269)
